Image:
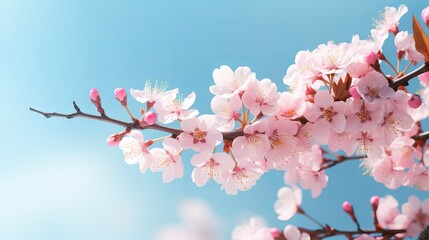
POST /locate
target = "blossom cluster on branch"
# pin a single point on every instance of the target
(341, 105)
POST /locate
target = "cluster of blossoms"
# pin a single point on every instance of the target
(413, 217)
(338, 97)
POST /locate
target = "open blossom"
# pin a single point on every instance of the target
(418, 176)
(254, 144)
(405, 44)
(417, 214)
(227, 111)
(261, 97)
(389, 22)
(135, 150)
(209, 165)
(332, 58)
(374, 86)
(290, 106)
(292, 232)
(254, 230)
(153, 94)
(168, 160)
(200, 134)
(326, 114)
(307, 172)
(288, 202)
(228, 82)
(283, 150)
(387, 211)
(242, 177)
(172, 108)
(362, 116)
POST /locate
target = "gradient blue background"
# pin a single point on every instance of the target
(58, 178)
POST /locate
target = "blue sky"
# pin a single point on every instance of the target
(58, 178)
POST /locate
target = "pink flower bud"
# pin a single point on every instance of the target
(354, 93)
(275, 232)
(114, 140)
(371, 58)
(121, 96)
(94, 95)
(374, 200)
(150, 118)
(424, 78)
(425, 16)
(415, 101)
(347, 207)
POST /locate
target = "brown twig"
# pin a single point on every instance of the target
(403, 81)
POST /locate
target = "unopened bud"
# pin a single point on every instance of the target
(415, 101)
(150, 118)
(275, 232)
(374, 200)
(94, 95)
(121, 96)
(354, 93)
(425, 16)
(114, 140)
(347, 207)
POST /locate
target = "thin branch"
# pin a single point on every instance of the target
(422, 136)
(131, 125)
(341, 159)
(403, 81)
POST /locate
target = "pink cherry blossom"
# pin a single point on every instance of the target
(415, 101)
(425, 16)
(153, 94)
(387, 211)
(374, 86)
(290, 106)
(405, 44)
(282, 141)
(172, 108)
(424, 78)
(227, 111)
(228, 82)
(261, 97)
(302, 72)
(307, 172)
(254, 144)
(135, 150)
(384, 171)
(332, 58)
(200, 134)
(389, 22)
(326, 115)
(254, 230)
(168, 160)
(362, 116)
(418, 176)
(417, 213)
(243, 177)
(292, 232)
(288, 201)
(209, 165)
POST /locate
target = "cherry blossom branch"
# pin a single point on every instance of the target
(130, 125)
(403, 81)
(341, 159)
(330, 232)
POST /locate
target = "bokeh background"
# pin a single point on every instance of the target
(58, 178)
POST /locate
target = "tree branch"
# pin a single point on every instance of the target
(403, 81)
(330, 232)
